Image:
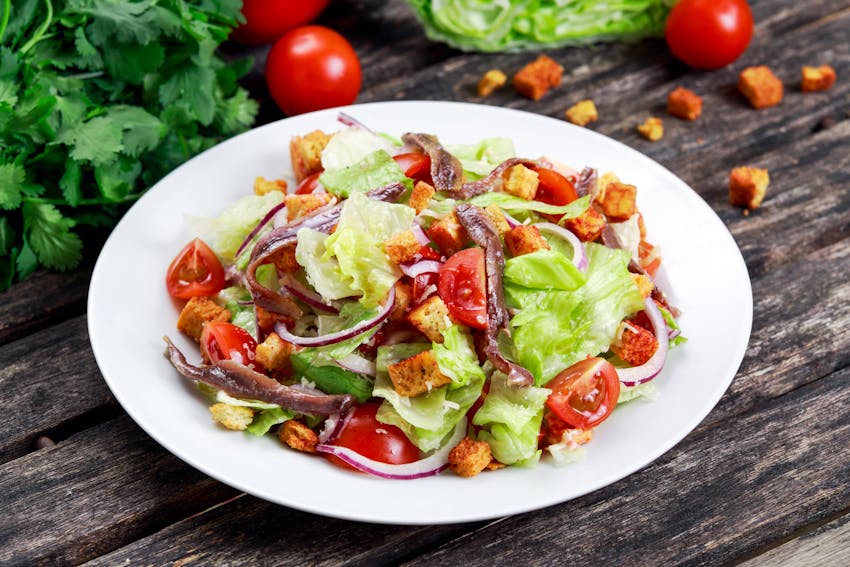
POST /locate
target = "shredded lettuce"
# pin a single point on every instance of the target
(375, 170)
(349, 146)
(512, 25)
(647, 391)
(456, 357)
(674, 326)
(268, 418)
(323, 273)
(351, 313)
(481, 158)
(240, 315)
(520, 208)
(544, 269)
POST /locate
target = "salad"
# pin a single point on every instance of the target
(411, 307)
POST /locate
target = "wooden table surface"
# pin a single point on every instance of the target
(766, 476)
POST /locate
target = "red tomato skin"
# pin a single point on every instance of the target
(309, 185)
(462, 287)
(312, 68)
(584, 395)
(554, 189)
(195, 271)
(415, 166)
(267, 20)
(367, 436)
(709, 34)
(221, 340)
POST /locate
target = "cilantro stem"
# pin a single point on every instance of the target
(84, 76)
(7, 10)
(39, 33)
(84, 202)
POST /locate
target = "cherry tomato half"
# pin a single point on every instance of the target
(195, 271)
(708, 34)
(311, 68)
(267, 20)
(367, 436)
(463, 289)
(554, 189)
(309, 185)
(221, 340)
(584, 394)
(415, 166)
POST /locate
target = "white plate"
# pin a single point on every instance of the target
(129, 311)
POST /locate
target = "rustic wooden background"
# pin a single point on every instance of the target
(765, 478)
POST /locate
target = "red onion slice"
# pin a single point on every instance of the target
(358, 364)
(429, 466)
(342, 335)
(650, 369)
(420, 235)
(306, 294)
(263, 222)
(579, 257)
(335, 423)
(421, 267)
(512, 222)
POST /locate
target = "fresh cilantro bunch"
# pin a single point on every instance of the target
(98, 100)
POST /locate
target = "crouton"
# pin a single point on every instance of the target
(652, 129)
(196, 313)
(306, 153)
(301, 205)
(494, 465)
(284, 259)
(403, 299)
(417, 375)
(524, 239)
(431, 317)
(263, 186)
(761, 87)
(535, 79)
(684, 103)
(582, 113)
(618, 201)
(644, 284)
(649, 257)
(448, 234)
(237, 418)
(492, 80)
(421, 196)
(494, 213)
(817, 78)
(634, 344)
(747, 186)
(298, 436)
(587, 226)
(521, 182)
(402, 247)
(266, 320)
(273, 355)
(470, 457)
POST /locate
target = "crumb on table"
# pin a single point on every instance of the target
(747, 186)
(652, 129)
(761, 87)
(817, 78)
(535, 79)
(492, 80)
(684, 103)
(582, 113)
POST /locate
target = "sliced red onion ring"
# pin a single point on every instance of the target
(421, 267)
(429, 466)
(352, 122)
(335, 423)
(263, 222)
(650, 369)
(512, 222)
(342, 335)
(579, 257)
(306, 294)
(358, 364)
(420, 235)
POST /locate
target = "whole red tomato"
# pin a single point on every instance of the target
(312, 68)
(267, 20)
(708, 34)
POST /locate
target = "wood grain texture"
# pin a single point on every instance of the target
(827, 545)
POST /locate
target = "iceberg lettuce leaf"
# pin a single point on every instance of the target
(456, 357)
(481, 158)
(375, 170)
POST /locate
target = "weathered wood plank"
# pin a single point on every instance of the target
(102, 488)
(827, 545)
(715, 497)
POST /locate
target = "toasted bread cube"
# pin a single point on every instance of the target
(306, 153)
(747, 186)
(421, 196)
(298, 436)
(448, 234)
(634, 344)
(403, 299)
(237, 418)
(301, 205)
(521, 182)
(618, 201)
(817, 78)
(266, 320)
(273, 355)
(582, 113)
(284, 259)
(492, 80)
(761, 87)
(263, 186)
(402, 247)
(684, 103)
(470, 457)
(494, 213)
(524, 239)
(587, 226)
(644, 284)
(432, 318)
(197, 312)
(652, 129)
(494, 465)
(417, 375)
(535, 79)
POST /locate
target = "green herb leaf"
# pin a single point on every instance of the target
(49, 234)
(97, 140)
(11, 180)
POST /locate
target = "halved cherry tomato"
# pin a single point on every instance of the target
(554, 189)
(195, 271)
(421, 283)
(462, 287)
(367, 436)
(310, 184)
(221, 340)
(415, 166)
(584, 394)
